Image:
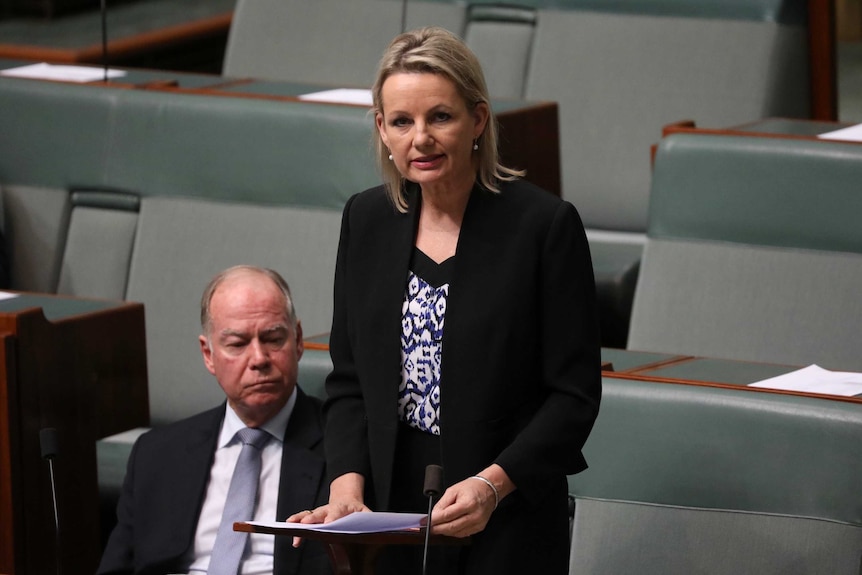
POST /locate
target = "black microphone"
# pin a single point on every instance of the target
(403, 16)
(50, 449)
(433, 483)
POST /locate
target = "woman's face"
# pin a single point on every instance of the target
(429, 130)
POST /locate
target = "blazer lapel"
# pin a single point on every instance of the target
(196, 458)
(302, 475)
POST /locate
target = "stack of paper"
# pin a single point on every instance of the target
(815, 379)
(46, 71)
(852, 133)
(362, 522)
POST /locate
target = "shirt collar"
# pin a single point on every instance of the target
(276, 426)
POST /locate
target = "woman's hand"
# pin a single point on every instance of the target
(345, 497)
(465, 508)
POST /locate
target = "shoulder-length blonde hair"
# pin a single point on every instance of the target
(435, 50)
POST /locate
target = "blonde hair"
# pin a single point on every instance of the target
(434, 50)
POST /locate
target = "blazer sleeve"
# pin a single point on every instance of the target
(345, 434)
(569, 363)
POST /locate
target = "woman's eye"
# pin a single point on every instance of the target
(441, 116)
(400, 122)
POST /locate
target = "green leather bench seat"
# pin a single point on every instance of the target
(754, 251)
(694, 479)
(782, 11)
(143, 195)
(620, 70)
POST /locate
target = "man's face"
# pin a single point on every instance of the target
(251, 349)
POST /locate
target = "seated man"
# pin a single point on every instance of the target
(180, 478)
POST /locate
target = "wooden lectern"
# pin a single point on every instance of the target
(354, 553)
(78, 366)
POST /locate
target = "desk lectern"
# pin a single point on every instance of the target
(78, 366)
(354, 553)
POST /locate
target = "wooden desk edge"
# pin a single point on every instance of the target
(733, 386)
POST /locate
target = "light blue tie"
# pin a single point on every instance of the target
(229, 544)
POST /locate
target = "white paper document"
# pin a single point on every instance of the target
(44, 71)
(360, 522)
(853, 133)
(7, 295)
(815, 379)
(340, 96)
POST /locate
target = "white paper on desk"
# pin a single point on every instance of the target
(815, 379)
(340, 96)
(359, 522)
(853, 133)
(44, 71)
(7, 295)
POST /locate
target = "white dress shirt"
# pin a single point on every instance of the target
(260, 558)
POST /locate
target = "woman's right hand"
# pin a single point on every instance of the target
(345, 497)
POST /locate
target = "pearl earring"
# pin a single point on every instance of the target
(390, 157)
(475, 145)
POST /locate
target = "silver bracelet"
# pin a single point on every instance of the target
(491, 485)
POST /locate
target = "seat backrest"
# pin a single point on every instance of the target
(501, 36)
(171, 189)
(181, 243)
(35, 223)
(697, 479)
(754, 251)
(327, 42)
(99, 241)
(619, 75)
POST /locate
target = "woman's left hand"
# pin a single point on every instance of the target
(465, 508)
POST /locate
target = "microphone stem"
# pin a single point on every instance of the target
(427, 535)
(56, 514)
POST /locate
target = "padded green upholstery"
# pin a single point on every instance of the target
(646, 72)
(159, 143)
(327, 42)
(35, 224)
(502, 39)
(181, 243)
(144, 195)
(768, 192)
(781, 11)
(691, 479)
(619, 69)
(754, 252)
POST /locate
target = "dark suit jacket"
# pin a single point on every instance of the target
(520, 379)
(166, 481)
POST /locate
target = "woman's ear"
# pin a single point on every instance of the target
(378, 120)
(481, 113)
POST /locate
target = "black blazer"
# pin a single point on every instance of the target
(166, 480)
(520, 374)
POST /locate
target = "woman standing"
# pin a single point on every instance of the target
(464, 330)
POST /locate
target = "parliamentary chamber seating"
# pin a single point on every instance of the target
(752, 254)
(753, 251)
(143, 195)
(619, 71)
(683, 478)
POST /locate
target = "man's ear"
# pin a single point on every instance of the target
(207, 353)
(300, 345)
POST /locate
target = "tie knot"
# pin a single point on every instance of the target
(252, 436)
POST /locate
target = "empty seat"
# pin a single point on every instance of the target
(754, 251)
